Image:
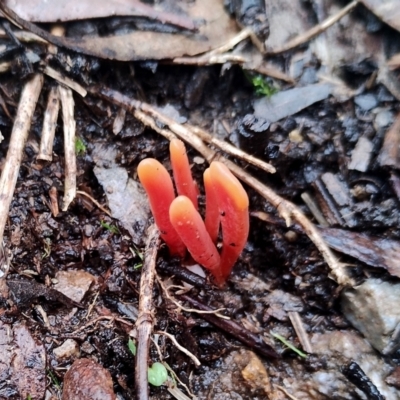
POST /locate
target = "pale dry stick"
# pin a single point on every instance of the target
(65, 80)
(24, 36)
(91, 306)
(193, 310)
(181, 348)
(205, 58)
(282, 389)
(95, 202)
(145, 320)
(49, 125)
(232, 150)
(5, 66)
(300, 331)
(286, 209)
(53, 194)
(227, 147)
(174, 391)
(316, 30)
(67, 107)
(119, 121)
(273, 72)
(314, 209)
(43, 313)
(19, 135)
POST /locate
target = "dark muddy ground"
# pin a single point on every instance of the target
(280, 270)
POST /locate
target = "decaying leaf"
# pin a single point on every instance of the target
(72, 10)
(216, 30)
(374, 251)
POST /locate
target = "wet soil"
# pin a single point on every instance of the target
(277, 260)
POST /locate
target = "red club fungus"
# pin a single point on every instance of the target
(185, 185)
(212, 213)
(190, 227)
(233, 205)
(181, 225)
(159, 188)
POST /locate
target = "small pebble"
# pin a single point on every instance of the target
(366, 101)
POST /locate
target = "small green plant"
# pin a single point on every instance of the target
(136, 253)
(157, 374)
(261, 85)
(53, 379)
(80, 147)
(288, 344)
(28, 397)
(132, 346)
(111, 228)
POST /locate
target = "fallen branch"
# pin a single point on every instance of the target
(144, 322)
(19, 135)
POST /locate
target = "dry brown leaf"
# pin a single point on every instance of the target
(217, 29)
(72, 10)
(387, 10)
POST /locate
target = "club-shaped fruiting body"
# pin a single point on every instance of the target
(184, 183)
(180, 224)
(160, 190)
(233, 205)
(190, 227)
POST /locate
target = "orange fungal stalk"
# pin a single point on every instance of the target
(180, 223)
(190, 227)
(185, 185)
(212, 213)
(233, 205)
(159, 188)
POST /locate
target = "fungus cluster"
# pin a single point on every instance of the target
(179, 221)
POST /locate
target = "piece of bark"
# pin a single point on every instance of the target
(341, 196)
(374, 251)
(389, 155)
(361, 155)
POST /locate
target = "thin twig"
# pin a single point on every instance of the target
(313, 207)
(181, 348)
(282, 389)
(65, 80)
(67, 106)
(217, 55)
(316, 30)
(300, 331)
(286, 209)
(53, 194)
(193, 310)
(145, 320)
(94, 201)
(232, 150)
(234, 329)
(24, 36)
(19, 135)
(49, 125)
